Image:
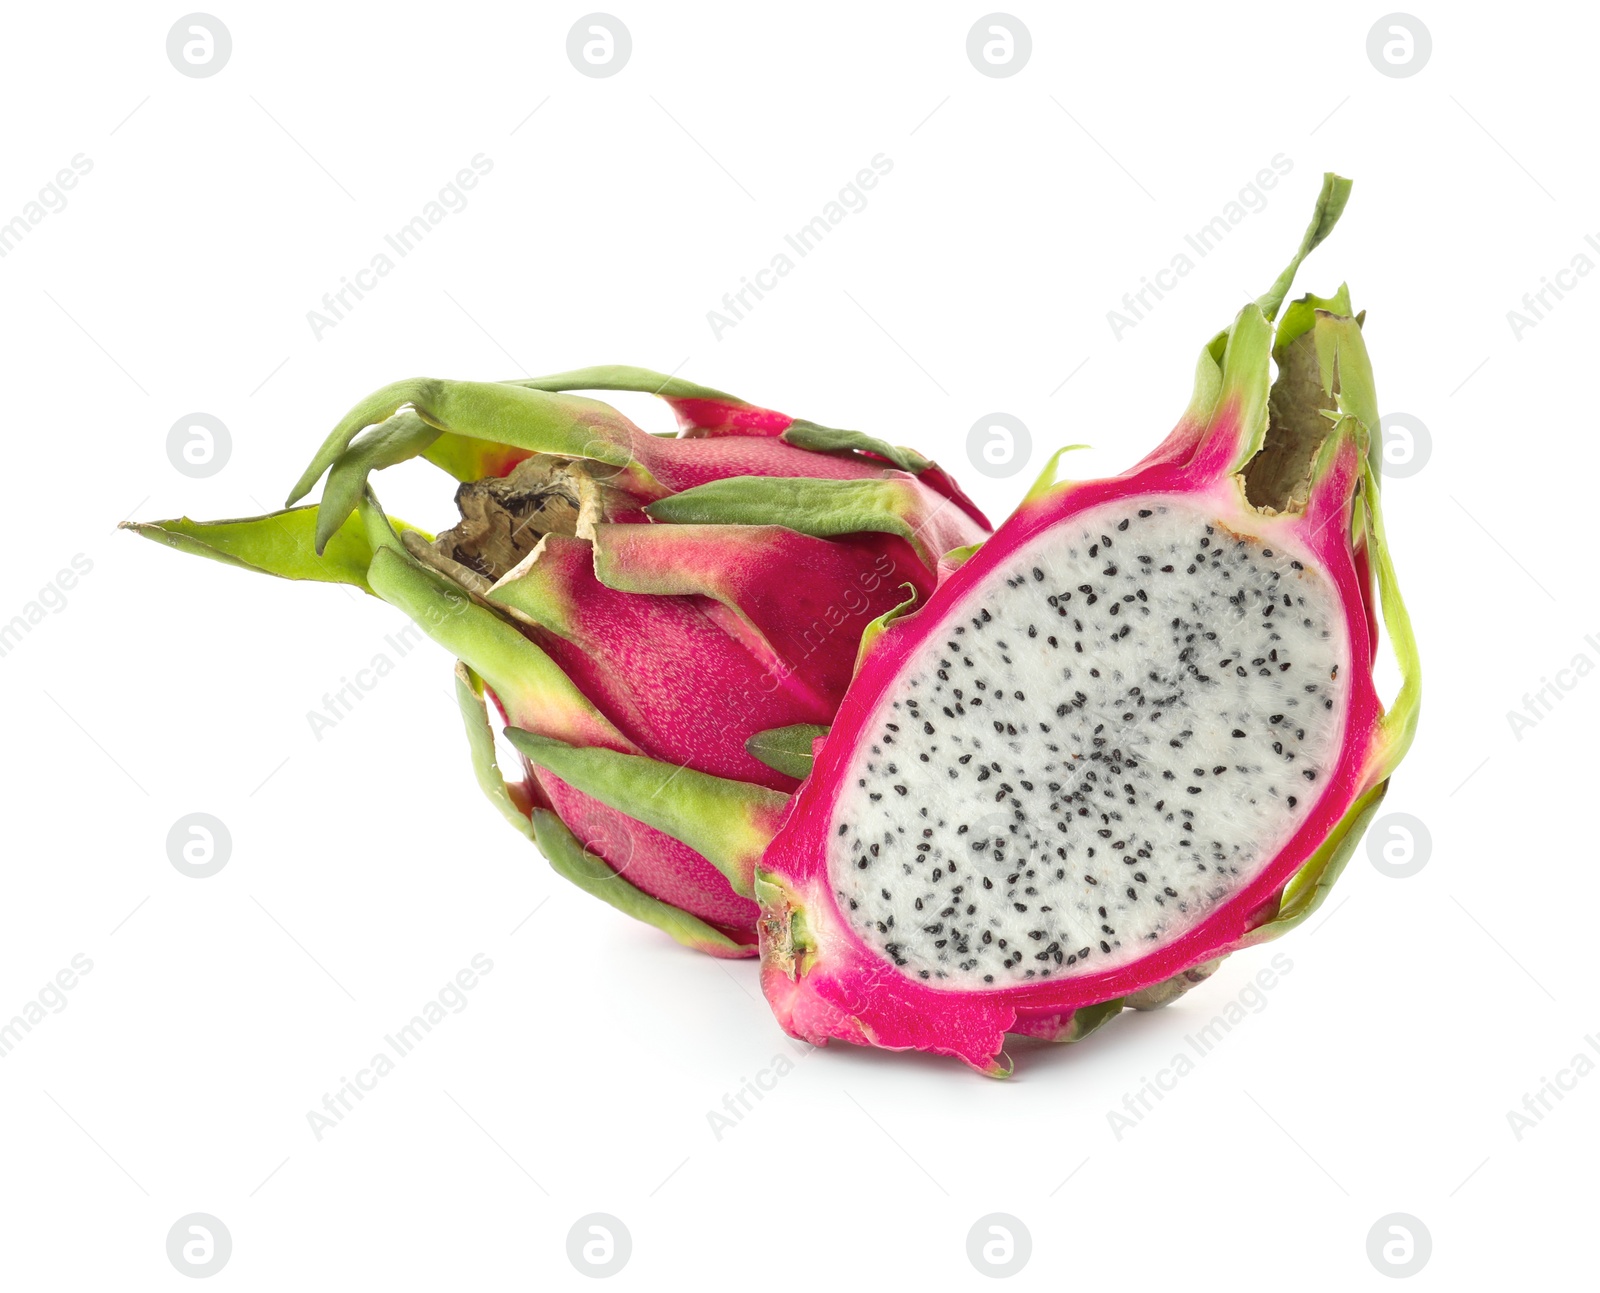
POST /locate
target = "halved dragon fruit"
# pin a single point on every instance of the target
(652, 598)
(1134, 731)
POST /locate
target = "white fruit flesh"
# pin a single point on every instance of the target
(1115, 732)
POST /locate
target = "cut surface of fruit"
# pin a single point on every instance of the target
(1098, 753)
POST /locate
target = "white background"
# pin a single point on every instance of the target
(366, 869)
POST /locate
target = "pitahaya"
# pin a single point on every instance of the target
(661, 600)
(1134, 731)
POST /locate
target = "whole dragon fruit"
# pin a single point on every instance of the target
(690, 606)
(1134, 731)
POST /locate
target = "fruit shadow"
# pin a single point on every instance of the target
(1109, 1045)
(1105, 1049)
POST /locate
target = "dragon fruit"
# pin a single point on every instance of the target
(689, 606)
(1133, 732)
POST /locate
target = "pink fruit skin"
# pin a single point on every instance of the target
(640, 658)
(654, 862)
(709, 417)
(740, 454)
(833, 1000)
(703, 418)
(636, 657)
(781, 622)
